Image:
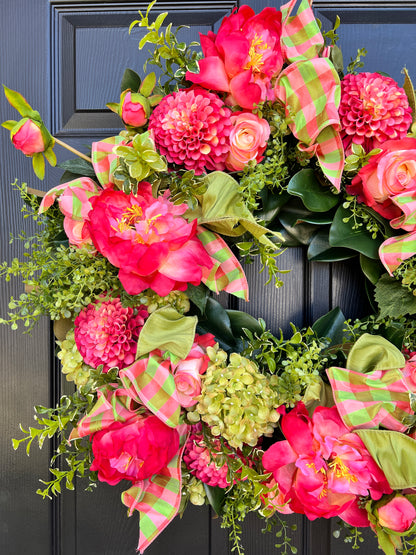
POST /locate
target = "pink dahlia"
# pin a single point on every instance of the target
(191, 128)
(107, 333)
(201, 461)
(373, 109)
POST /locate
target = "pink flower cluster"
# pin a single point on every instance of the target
(321, 468)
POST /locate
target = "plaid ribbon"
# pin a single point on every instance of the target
(80, 188)
(102, 156)
(377, 398)
(113, 405)
(309, 88)
(397, 249)
(301, 37)
(226, 273)
(149, 381)
(407, 203)
(158, 498)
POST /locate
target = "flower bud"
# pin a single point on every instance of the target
(28, 138)
(397, 515)
(134, 109)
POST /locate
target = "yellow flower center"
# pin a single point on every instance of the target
(129, 218)
(341, 470)
(256, 51)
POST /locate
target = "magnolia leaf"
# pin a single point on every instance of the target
(198, 295)
(372, 269)
(291, 217)
(331, 325)
(216, 320)
(343, 234)
(321, 251)
(38, 162)
(78, 166)
(337, 58)
(393, 300)
(130, 80)
(240, 320)
(315, 197)
(216, 496)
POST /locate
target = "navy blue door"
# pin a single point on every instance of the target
(67, 58)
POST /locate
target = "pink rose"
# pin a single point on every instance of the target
(148, 239)
(28, 138)
(133, 111)
(187, 374)
(243, 57)
(133, 450)
(388, 177)
(398, 514)
(248, 140)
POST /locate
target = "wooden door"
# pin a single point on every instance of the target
(67, 58)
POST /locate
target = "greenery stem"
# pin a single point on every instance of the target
(73, 150)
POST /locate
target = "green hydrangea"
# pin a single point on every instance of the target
(237, 401)
(73, 366)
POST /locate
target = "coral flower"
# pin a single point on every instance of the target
(321, 469)
(148, 239)
(107, 333)
(191, 128)
(373, 109)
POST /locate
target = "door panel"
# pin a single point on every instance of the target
(67, 58)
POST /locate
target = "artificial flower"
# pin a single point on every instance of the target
(148, 240)
(387, 183)
(191, 128)
(134, 109)
(373, 110)
(28, 138)
(243, 57)
(398, 514)
(321, 468)
(133, 450)
(106, 333)
(248, 140)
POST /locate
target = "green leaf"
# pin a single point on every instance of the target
(315, 197)
(316, 218)
(342, 234)
(372, 269)
(78, 166)
(337, 59)
(395, 334)
(216, 497)
(410, 93)
(393, 300)
(217, 321)
(9, 124)
(148, 84)
(130, 80)
(50, 156)
(38, 162)
(271, 204)
(20, 104)
(240, 320)
(331, 325)
(321, 251)
(198, 295)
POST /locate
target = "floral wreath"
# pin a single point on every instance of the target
(259, 141)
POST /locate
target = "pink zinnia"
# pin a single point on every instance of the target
(107, 333)
(191, 128)
(201, 461)
(373, 109)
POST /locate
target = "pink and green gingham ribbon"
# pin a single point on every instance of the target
(309, 88)
(150, 382)
(80, 189)
(102, 157)
(378, 398)
(157, 498)
(226, 273)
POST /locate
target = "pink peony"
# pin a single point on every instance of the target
(148, 239)
(373, 109)
(201, 461)
(386, 178)
(28, 138)
(243, 57)
(133, 111)
(409, 372)
(191, 128)
(248, 140)
(187, 373)
(321, 469)
(107, 333)
(398, 514)
(133, 450)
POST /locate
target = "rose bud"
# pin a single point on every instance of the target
(397, 515)
(28, 138)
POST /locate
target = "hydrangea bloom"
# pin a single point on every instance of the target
(191, 128)
(148, 239)
(373, 109)
(107, 333)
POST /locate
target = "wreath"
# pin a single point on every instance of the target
(257, 143)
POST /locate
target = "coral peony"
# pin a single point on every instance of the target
(243, 57)
(191, 128)
(248, 140)
(321, 468)
(387, 183)
(107, 333)
(373, 109)
(202, 462)
(148, 239)
(398, 514)
(133, 450)
(134, 109)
